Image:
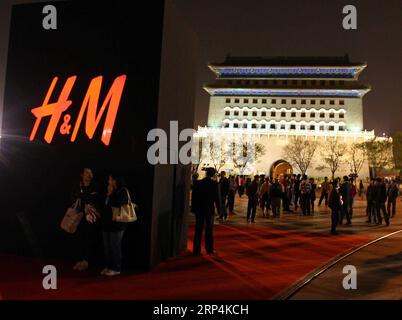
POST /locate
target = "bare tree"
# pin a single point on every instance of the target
(379, 154)
(299, 152)
(246, 154)
(356, 158)
(332, 156)
(215, 149)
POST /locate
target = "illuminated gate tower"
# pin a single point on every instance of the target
(276, 98)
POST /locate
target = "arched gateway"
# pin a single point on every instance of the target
(280, 168)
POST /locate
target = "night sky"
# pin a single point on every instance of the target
(291, 28)
(312, 28)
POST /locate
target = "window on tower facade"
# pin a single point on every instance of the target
(303, 114)
(331, 128)
(273, 101)
(322, 82)
(254, 113)
(263, 114)
(227, 100)
(332, 115)
(244, 125)
(226, 125)
(245, 113)
(254, 126)
(272, 126)
(255, 101)
(312, 115)
(313, 82)
(235, 125)
(293, 114)
(283, 101)
(245, 100)
(302, 127)
(293, 101)
(283, 114)
(342, 115)
(312, 127)
(312, 102)
(303, 101)
(237, 100)
(331, 82)
(263, 126)
(322, 101)
(294, 82)
(322, 115)
(342, 82)
(342, 102)
(331, 102)
(264, 101)
(282, 127)
(230, 81)
(275, 82)
(236, 113)
(273, 114)
(227, 113)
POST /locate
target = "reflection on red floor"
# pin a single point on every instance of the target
(252, 263)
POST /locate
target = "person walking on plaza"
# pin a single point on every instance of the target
(231, 194)
(205, 198)
(353, 191)
(312, 194)
(335, 204)
(224, 186)
(276, 195)
(393, 192)
(241, 183)
(324, 192)
(252, 194)
(264, 197)
(346, 194)
(380, 199)
(297, 191)
(361, 188)
(370, 208)
(305, 189)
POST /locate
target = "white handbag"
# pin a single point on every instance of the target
(126, 213)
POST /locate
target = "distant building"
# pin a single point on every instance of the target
(273, 99)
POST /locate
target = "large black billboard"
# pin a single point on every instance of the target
(83, 95)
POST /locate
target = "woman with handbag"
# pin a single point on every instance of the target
(118, 198)
(86, 197)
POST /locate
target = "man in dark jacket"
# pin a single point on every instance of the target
(224, 186)
(380, 199)
(335, 204)
(205, 197)
(252, 194)
(346, 193)
(393, 192)
(370, 209)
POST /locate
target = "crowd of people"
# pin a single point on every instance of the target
(289, 193)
